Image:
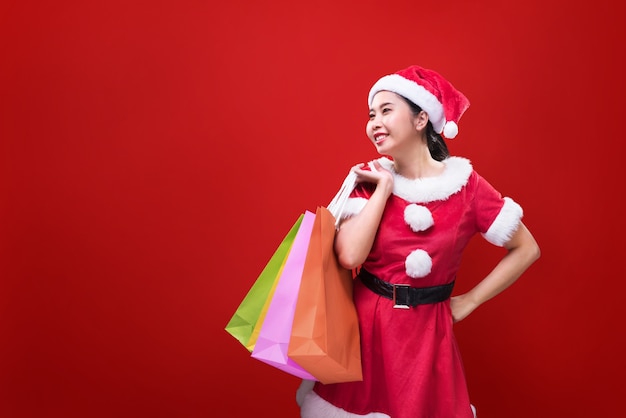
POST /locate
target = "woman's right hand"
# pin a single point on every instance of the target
(375, 174)
(356, 234)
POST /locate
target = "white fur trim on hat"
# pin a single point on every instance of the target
(418, 217)
(314, 406)
(418, 264)
(505, 224)
(429, 189)
(415, 93)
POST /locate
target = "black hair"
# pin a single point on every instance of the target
(436, 145)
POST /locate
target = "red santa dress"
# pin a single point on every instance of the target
(412, 367)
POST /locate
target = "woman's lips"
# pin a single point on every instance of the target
(378, 138)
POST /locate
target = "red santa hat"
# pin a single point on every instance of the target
(430, 91)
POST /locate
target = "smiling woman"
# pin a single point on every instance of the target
(406, 226)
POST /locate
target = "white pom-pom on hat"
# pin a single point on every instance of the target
(450, 130)
(443, 103)
(418, 264)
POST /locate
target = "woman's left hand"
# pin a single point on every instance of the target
(461, 306)
(522, 252)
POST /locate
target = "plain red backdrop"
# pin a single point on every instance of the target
(154, 153)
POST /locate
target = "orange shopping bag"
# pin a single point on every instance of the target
(325, 337)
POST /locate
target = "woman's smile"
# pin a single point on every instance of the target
(380, 137)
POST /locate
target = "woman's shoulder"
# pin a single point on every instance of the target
(458, 167)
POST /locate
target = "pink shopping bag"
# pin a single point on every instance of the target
(273, 340)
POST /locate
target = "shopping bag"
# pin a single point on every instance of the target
(257, 327)
(325, 338)
(273, 340)
(249, 315)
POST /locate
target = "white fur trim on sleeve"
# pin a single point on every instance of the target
(315, 407)
(505, 224)
(354, 206)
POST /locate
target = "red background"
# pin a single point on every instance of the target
(154, 153)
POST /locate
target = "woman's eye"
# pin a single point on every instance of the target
(385, 110)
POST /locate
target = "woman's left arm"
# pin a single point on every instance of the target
(522, 252)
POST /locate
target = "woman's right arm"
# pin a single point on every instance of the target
(356, 234)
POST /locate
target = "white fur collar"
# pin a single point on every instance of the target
(430, 189)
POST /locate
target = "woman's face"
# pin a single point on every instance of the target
(391, 126)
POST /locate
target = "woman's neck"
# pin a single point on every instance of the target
(418, 166)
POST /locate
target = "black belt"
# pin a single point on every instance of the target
(403, 295)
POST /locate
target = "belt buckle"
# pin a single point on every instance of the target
(401, 291)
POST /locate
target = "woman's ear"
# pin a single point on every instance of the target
(421, 120)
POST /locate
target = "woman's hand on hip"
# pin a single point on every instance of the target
(461, 306)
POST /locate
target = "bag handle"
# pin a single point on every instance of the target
(337, 205)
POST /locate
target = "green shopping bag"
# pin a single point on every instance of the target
(248, 318)
(256, 331)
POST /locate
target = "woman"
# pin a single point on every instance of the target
(405, 227)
